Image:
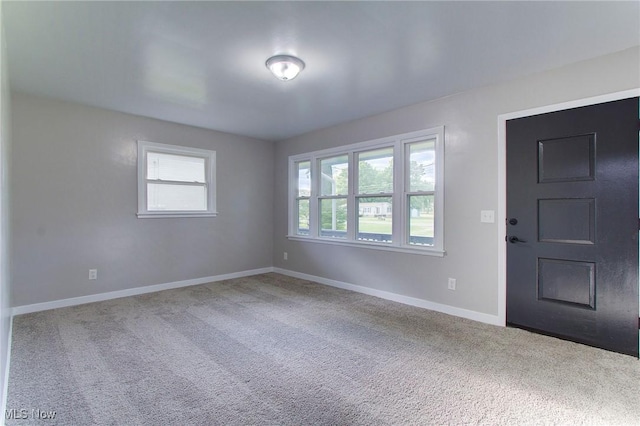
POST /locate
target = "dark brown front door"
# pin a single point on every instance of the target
(572, 224)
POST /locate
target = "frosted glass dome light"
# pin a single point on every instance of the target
(285, 67)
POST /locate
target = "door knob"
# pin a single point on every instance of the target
(515, 239)
(513, 221)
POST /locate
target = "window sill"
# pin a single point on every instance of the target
(373, 246)
(169, 215)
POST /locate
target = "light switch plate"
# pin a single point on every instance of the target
(487, 216)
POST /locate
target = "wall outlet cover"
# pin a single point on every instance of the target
(451, 284)
(487, 216)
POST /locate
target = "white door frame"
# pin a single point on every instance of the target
(502, 179)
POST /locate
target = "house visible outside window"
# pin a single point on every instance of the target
(385, 194)
(374, 189)
(175, 181)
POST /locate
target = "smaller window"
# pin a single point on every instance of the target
(175, 181)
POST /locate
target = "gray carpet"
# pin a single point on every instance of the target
(274, 350)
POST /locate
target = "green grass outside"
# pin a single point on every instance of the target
(420, 226)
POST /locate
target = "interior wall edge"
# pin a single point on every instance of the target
(5, 228)
(5, 384)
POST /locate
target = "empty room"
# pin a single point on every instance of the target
(319, 212)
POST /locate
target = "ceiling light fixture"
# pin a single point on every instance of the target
(285, 67)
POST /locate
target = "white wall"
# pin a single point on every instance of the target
(471, 184)
(5, 152)
(74, 204)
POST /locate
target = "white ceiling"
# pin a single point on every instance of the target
(202, 63)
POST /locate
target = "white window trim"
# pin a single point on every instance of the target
(210, 172)
(399, 204)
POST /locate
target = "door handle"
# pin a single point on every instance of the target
(515, 239)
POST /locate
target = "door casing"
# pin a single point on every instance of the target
(502, 179)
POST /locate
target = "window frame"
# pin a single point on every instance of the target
(335, 197)
(400, 197)
(209, 156)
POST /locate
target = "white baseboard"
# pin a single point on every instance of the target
(63, 303)
(420, 303)
(407, 300)
(5, 385)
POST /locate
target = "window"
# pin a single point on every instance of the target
(384, 194)
(175, 181)
(374, 195)
(303, 193)
(420, 191)
(334, 182)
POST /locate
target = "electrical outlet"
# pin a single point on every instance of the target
(93, 274)
(487, 216)
(451, 284)
(286, 256)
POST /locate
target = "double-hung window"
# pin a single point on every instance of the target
(175, 181)
(420, 191)
(332, 198)
(374, 195)
(302, 197)
(384, 194)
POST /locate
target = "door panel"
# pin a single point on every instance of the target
(568, 220)
(572, 250)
